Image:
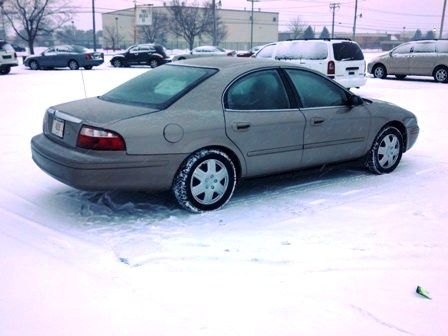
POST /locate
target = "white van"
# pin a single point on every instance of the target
(340, 59)
(8, 58)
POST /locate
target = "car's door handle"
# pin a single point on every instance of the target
(317, 121)
(241, 126)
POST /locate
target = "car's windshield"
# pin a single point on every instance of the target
(160, 87)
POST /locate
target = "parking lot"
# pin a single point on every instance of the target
(329, 250)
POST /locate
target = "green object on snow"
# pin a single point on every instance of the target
(423, 292)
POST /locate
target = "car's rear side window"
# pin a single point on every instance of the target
(425, 47)
(160, 87)
(307, 50)
(442, 46)
(347, 51)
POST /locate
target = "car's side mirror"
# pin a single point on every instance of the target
(354, 100)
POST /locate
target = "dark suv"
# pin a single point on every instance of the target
(142, 54)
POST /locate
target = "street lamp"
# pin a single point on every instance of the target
(252, 23)
(116, 31)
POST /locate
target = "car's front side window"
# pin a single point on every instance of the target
(262, 90)
(315, 90)
(403, 49)
(266, 52)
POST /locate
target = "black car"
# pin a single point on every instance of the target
(142, 54)
(71, 56)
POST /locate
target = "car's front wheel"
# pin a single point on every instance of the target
(380, 71)
(386, 151)
(117, 63)
(441, 74)
(88, 67)
(34, 65)
(73, 65)
(205, 181)
(153, 63)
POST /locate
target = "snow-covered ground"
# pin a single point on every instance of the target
(331, 251)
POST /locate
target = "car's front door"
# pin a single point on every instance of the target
(262, 123)
(398, 62)
(132, 57)
(48, 58)
(334, 131)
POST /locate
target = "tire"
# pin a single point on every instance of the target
(88, 67)
(34, 65)
(73, 65)
(117, 63)
(379, 71)
(441, 74)
(400, 76)
(181, 58)
(154, 63)
(205, 181)
(386, 151)
(5, 70)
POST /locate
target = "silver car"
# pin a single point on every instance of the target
(419, 58)
(198, 126)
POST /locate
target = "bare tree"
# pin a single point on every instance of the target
(156, 32)
(112, 38)
(221, 29)
(296, 28)
(191, 21)
(33, 18)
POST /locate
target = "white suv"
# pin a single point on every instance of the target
(340, 59)
(8, 58)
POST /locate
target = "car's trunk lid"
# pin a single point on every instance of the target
(63, 122)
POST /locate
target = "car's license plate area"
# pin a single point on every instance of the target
(57, 127)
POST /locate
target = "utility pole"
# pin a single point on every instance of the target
(94, 29)
(333, 7)
(214, 22)
(443, 19)
(252, 23)
(354, 20)
(135, 21)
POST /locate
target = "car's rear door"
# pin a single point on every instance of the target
(262, 122)
(349, 60)
(423, 59)
(334, 131)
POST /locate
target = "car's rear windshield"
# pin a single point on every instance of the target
(6, 47)
(307, 50)
(347, 51)
(159, 87)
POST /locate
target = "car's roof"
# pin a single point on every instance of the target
(224, 63)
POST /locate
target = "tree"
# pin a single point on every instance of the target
(325, 34)
(191, 21)
(33, 18)
(296, 28)
(112, 38)
(308, 33)
(156, 32)
(418, 35)
(221, 29)
(430, 35)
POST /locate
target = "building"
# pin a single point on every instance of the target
(119, 29)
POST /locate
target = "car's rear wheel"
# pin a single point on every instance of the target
(400, 76)
(117, 63)
(88, 67)
(153, 63)
(386, 151)
(181, 58)
(205, 181)
(441, 74)
(34, 65)
(73, 65)
(380, 71)
(5, 70)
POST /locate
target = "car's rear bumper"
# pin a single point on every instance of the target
(8, 64)
(105, 170)
(94, 62)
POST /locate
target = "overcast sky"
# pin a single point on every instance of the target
(393, 16)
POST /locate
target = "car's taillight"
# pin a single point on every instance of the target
(331, 68)
(100, 139)
(15, 55)
(88, 56)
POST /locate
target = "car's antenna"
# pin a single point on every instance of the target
(83, 84)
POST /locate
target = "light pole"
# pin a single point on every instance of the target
(116, 32)
(93, 22)
(443, 19)
(252, 23)
(354, 20)
(214, 22)
(74, 32)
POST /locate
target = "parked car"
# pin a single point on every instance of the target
(418, 58)
(71, 56)
(205, 51)
(250, 52)
(8, 58)
(18, 48)
(142, 54)
(339, 59)
(198, 126)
